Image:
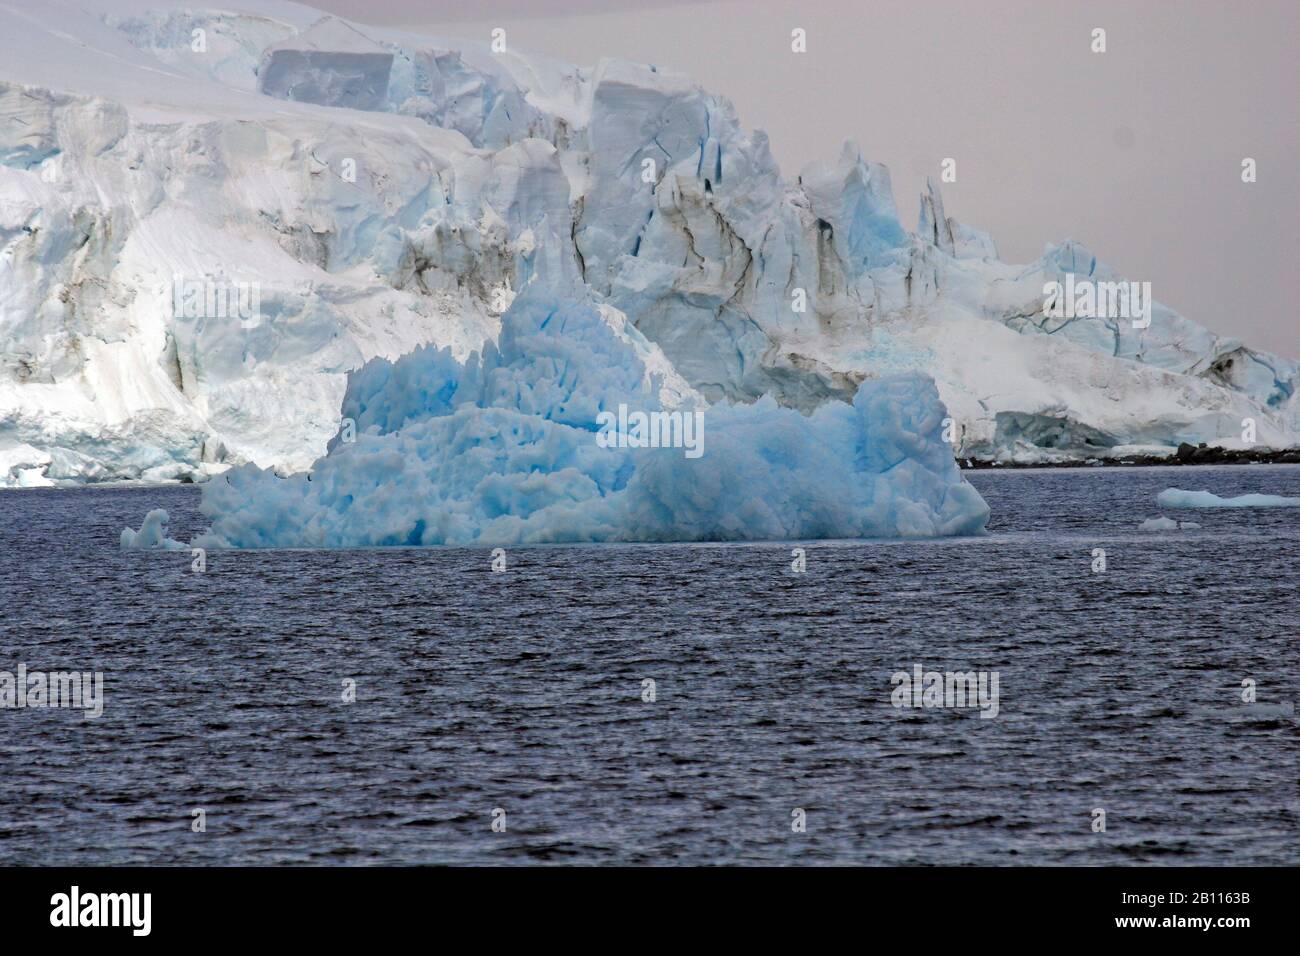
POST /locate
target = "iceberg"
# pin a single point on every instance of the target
(152, 535)
(1177, 498)
(501, 448)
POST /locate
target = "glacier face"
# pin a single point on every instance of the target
(384, 192)
(504, 448)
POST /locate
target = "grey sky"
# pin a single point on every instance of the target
(1135, 152)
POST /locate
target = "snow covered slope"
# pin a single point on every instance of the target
(209, 216)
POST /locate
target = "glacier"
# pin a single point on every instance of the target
(386, 192)
(502, 449)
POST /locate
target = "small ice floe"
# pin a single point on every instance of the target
(1177, 498)
(1260, 712)
(1166, 524)
(152, 534)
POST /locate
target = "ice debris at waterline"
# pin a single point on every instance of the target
(123, 190)
(502, 449)
(1177, 498)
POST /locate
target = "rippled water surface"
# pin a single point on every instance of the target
(523, 691)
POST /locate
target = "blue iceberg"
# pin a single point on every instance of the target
(557, 434)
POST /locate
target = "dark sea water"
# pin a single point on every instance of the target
(522, 691)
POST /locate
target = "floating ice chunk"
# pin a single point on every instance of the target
(1166, 524)
(152, 534)
(1158, 524)
(1177, 498)
(503, 449)
(1260, 710)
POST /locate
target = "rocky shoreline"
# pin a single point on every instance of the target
(1185, 455)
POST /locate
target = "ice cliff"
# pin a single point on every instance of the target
(376, 192)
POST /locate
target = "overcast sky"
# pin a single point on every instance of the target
(1136, 152)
